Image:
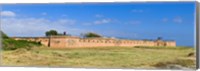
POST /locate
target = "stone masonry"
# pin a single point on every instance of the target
(72, 42)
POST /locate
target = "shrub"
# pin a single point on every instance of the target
(51, 32)
(11, 44)
(90, 34)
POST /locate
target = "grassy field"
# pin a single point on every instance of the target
(107, 57)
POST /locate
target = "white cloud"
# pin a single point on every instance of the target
(137, 11)
(87, 24)
(164, 19)
(7, 14)
(135, 22)
(97, 22)
(102, 21)
(44, 13)
(178, 20)
(98, 16)
(63, 15)
(35, 26)
(65, 21)
(175, 20)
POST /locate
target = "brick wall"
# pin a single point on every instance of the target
(71, 42)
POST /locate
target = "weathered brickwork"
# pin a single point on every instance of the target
(72, 42)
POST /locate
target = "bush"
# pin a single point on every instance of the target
(51, 32)
(11, 44)
(90, 34)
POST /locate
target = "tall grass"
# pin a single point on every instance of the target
(102, 57)
(11, 44)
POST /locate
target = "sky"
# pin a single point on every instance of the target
(171, 21)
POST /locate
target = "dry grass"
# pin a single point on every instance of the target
(108, 57)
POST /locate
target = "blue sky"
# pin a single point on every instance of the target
(171, 21)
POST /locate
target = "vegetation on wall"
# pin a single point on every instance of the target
(51, 32)
(91, 34)
(54, 32)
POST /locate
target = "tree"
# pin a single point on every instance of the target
(159, 38)
(90, 34)
(51, 32)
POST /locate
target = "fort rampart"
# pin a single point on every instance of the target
(70, 42)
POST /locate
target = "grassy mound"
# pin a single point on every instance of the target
(11, 44)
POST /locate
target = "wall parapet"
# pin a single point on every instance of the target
(71, 41)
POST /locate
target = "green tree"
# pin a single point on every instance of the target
(90, 34)
(51, 32)
(159, 38)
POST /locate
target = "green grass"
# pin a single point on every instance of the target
(107, 57)
(11, 44)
